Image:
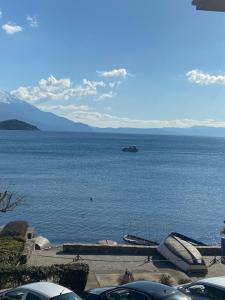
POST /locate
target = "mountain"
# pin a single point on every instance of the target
(16, 125)
(198, 131)
(13, 108)
(125, 130)
(192, 131)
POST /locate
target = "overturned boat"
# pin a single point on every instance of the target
(182, 254)
(188, 239)
(136, 240)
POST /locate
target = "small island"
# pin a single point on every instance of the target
(17, 125)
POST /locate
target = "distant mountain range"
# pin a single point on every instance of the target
(192, 131)
(12, 108)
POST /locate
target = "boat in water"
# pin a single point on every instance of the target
(182, 254)
(135, 240)
(132, 148)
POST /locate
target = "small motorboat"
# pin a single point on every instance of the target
(188, 239)
(135, 240)
(132, 148)
(182, 254)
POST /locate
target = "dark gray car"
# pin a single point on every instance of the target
(139, 290)
(205, 289)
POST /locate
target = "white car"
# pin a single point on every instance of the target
(39, 291)
(205, 289)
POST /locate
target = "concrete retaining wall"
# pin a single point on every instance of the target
(28, 248)
(95, 249)
(108, 250)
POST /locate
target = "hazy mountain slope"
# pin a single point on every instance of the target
(192, 131)
(157, 131)
(198, 131)
(13, 108)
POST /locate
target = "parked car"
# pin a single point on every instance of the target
(138, 290)
(209, 288)
(39, 291)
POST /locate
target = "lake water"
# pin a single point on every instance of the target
(173, 183)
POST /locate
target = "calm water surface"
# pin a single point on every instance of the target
(173, 183)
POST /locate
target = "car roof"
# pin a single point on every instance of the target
(151, 288)
(47, 289)
(214, 281)
(100, 290)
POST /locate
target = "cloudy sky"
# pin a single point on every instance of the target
(134, 63)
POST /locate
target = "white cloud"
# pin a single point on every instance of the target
(113, 73)
(58, 89)
(0, 13)
(112, 84)
(105, 96)
(108, 108)
(32, 21)
(202, 78)
(84, 114)
(115, 84)
(10, 28)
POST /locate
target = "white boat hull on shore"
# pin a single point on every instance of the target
(182, 254)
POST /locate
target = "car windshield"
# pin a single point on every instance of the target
(68, 296)
(175, 296)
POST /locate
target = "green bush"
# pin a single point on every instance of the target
(166, 279)
(11, 245)
(126, 278)
(73, 276)
(12, 239)
(184, 280)
(10, 251)
(15, 229)
(14, 276)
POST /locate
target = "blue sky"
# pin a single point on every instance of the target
(116, 63)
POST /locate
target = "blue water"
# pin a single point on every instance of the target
(173, 183)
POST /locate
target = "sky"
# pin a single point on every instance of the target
(111, 63)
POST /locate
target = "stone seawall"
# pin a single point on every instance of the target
(27, 251)
(95, 249)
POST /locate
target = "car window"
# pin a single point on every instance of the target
(92, 297)
(175, 296)
(206, 291)
(124, 294)
(214, 293)
(196, 290)
(67, 296)
(17, 295)
(31, 296)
